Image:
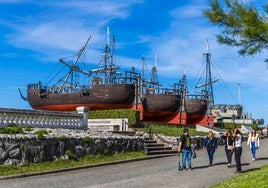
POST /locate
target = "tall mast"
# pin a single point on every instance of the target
(142, 74)
(208, 86)
(239, 94)
(154, 76)
(106, 48)
(73, 67)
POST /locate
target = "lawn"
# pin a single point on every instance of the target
(171, 130)
(9, 170)
(257, 178)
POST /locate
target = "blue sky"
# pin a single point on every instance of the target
(34, 35)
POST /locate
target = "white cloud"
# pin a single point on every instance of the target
(112, 9)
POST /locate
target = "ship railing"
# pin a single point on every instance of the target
(196, 96)
(164, 91)
(42, 118)
(116, 80)
(64, 89)
(34, 86)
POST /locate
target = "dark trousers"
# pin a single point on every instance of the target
(229, 154)
(210, 155)
(238, 153)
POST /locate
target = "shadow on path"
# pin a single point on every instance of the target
(207, 166)
(219, 164)
(245, 164)
(262, 158)
(250, 170)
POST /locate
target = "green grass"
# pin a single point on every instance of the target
(172, 130)
(255, 178)
(8, 170)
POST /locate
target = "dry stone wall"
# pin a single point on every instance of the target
(23, 149)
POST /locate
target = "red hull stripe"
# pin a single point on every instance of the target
(72, 107)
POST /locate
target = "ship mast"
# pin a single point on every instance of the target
(152, 84)
(73, 67)
(142, 75)
(208, 87)
(154, 77)
(209, 82)
(106, 66)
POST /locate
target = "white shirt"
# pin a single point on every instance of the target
(238, 141)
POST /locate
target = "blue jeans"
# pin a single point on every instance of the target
(253, 149)
(210, 155)
(186, 154)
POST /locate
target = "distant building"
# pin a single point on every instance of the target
(225, 113)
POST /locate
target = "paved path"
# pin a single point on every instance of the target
(160, 172)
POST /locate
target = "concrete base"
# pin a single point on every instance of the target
(108, 124)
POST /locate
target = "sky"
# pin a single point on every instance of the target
(34, 35)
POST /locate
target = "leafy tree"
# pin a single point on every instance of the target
(243, 25)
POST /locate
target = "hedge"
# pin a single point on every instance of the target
(132, 115)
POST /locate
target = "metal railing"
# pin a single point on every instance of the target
(41, 118)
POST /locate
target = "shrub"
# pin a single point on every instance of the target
(11, 129)
(41, 133)
(62, 138)
(70, 155)
(87, 139)
(28, 128)
(132, 115)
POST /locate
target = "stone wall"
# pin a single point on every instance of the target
(21, 150)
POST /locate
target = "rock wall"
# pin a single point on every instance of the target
(18, 150)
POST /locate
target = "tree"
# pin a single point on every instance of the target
(243, 25)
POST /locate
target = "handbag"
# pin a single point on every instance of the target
(230, 147)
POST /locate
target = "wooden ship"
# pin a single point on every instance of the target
(105, 88)
(159, 104)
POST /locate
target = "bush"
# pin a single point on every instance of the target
(230, 126)
(70, 155)
(41, 133)
(11, 129)
(87, 139)
(28, 128)
(62, 138)
(132, 115)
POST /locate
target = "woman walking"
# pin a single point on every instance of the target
(253, 143)
(211, 145)
(237, 149)
(229, 148)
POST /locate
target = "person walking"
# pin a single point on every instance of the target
(229, 148)
(237, 136)
(185, 149)
(211, 144)
(253, 143)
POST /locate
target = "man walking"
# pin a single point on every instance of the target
(185, 149)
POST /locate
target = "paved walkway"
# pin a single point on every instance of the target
(159, 172)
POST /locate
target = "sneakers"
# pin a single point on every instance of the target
(253, 159)
(229, 165)
(238, 172)
(184, 168)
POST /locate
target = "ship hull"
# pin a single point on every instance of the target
(97, 97)
(160, 107)
(195, 110)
